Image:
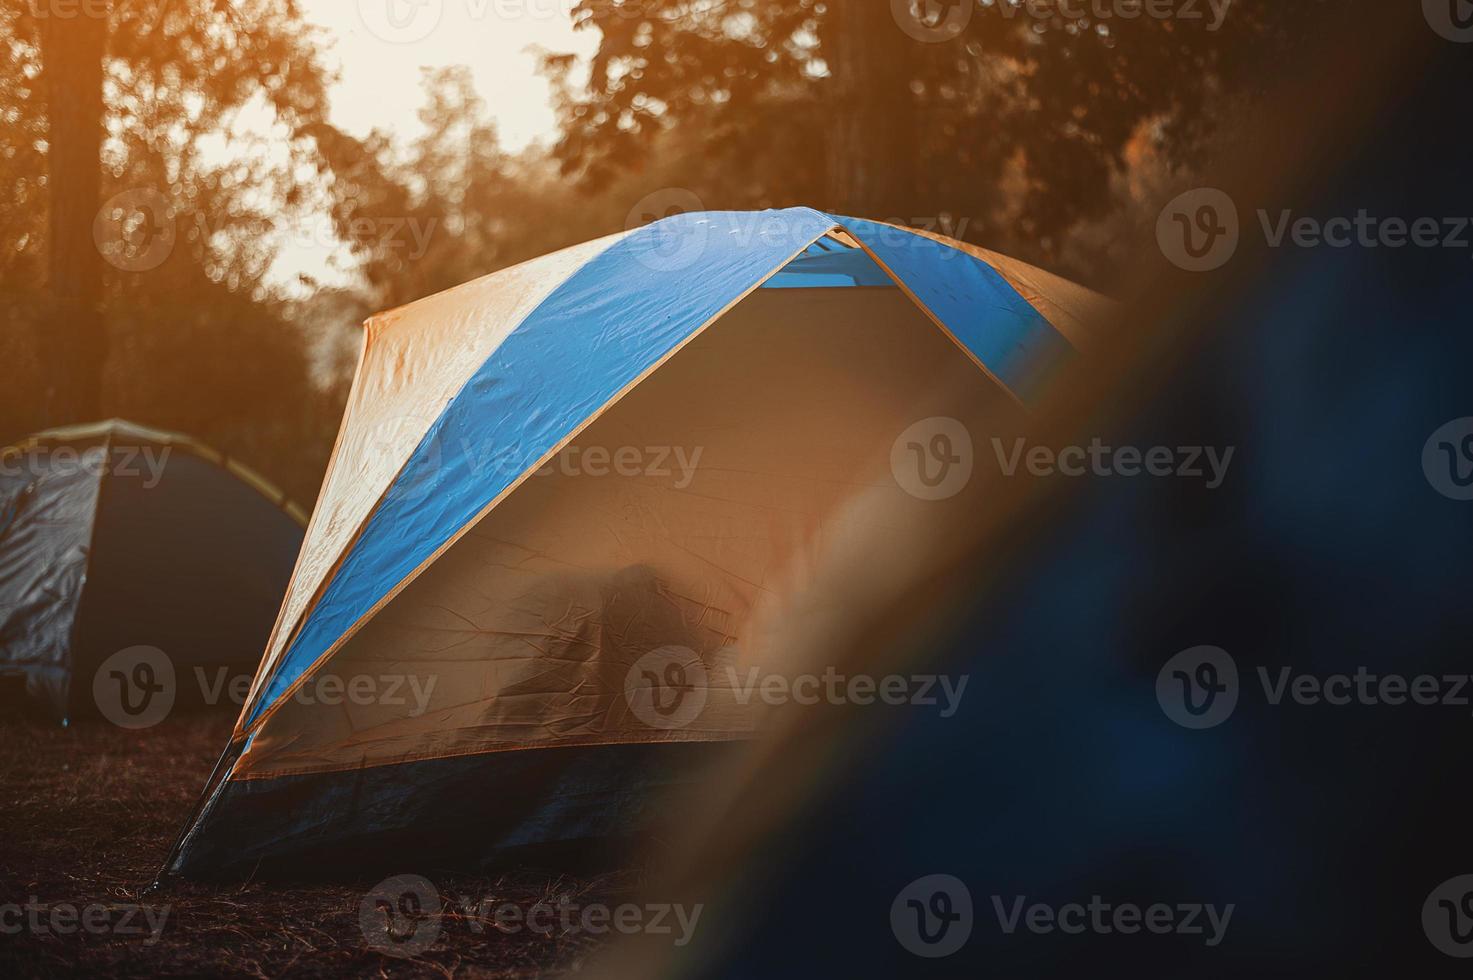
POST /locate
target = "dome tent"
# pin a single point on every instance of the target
(593, 468)
(114, 537)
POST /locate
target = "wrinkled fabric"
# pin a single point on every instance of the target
(597, 332)
(114, 536)
(45, 534)
(744, 454)
(613, 320)
(1010, 338)
(414, 360)
(499, 598)
(1074, 310)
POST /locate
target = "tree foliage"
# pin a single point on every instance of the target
(1024, 131)
(211, 113)
(1020, 121)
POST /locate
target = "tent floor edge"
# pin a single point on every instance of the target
(573, 808)
(209, 796)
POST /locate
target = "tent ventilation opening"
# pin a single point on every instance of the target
(835, 261)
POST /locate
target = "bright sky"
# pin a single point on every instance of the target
(379, 47)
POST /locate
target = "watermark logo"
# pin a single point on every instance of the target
(139, 687)
(405, 915)
(409, 691)
(674, 229)
(932, 21)
(401, 21)
(670, 246)
(1451, 19)
(1079, 14)
(69, 9)
(563, 916)
(1104, 918)
(1363, 229)
(410, 21)
(932, 916)
(666, 688)
(410, 235)
(1447, 917)
(1198, 230)
(831, 687)
(1447, 459)
(401, 916)
(135, 230)
(675, 463)
(97, 919)
(897, 230)
(1364, 688)
(134, 688)
(933, 459)
(143, 463)
(1198, 688)
(1207, 463)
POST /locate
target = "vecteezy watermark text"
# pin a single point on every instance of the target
(1098, 459)
(412, 21)
(1199, 230)
(392, 690)
(627, 461)
(137, 688)
(1199, 688)
(667, 688)
(98, 918)
(1104, 918)
(117, 460)
(936, 21)
(1211, 13)
(934, 459)
(404, 915)
(136, 230)
(933, 917)
(832, 687)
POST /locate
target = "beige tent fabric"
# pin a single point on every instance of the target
(1075, 311)
(415, 359)
(681, 520)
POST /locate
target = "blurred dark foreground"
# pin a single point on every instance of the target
(1207, 731)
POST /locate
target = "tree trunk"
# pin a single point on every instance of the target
(73, 340)
(871, 146)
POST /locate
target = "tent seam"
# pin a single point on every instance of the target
(393, 593)
(911, 295)
(347, 549)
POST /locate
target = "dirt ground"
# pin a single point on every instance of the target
(89, 815)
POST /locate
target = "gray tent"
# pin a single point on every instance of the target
(114, 536)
